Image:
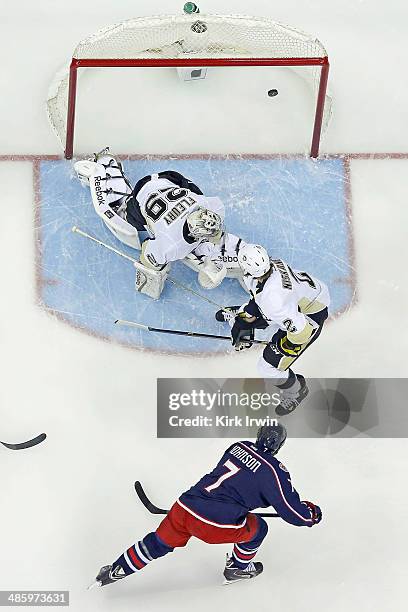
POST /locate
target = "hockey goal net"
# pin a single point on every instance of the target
(193, 41)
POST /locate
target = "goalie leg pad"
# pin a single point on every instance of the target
(85, 168)
(149, 281)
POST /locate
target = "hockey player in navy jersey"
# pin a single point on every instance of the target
(217, 510)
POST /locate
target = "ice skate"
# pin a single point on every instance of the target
(108, 575)
(233, 574)
(289, 404)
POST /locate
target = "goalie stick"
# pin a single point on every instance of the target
(155, 510)
(175, 282)
(28, 444)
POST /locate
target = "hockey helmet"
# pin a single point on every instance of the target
(271, 438)
(205, 223)
(254, 260)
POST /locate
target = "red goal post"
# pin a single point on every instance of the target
(192, 41)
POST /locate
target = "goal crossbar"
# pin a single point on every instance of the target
(183, 41)
(178, 63)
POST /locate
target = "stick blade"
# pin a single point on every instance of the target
(134, 324)
(146, 501)
(28, 444)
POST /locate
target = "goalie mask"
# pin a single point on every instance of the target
(204, 223)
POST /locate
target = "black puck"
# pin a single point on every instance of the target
(272, 93)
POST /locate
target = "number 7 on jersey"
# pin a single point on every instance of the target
(232, 469)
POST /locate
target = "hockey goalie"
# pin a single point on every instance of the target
(165, 216)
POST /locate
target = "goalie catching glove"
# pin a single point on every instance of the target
(211, 273)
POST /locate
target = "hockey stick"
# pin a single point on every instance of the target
(28, 444)
(76, 230)
(155, 510)
(146, 501)
(178, 332)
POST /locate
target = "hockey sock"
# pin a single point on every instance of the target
(140, 554)
(242, 557)
(244, 552)
(292, 387)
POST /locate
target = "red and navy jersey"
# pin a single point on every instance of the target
(245, 478)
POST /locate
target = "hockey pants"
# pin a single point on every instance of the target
(179, 526)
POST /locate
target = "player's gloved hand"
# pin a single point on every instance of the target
(252, 310)
(315, 511)
(242, 331)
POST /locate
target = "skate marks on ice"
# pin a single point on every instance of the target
(297, 208)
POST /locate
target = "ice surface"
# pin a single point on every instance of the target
(296, 208)
(68, 506)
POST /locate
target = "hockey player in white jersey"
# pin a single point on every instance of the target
(289, 304)
(167, 217)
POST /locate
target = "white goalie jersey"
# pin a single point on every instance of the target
(165, 207)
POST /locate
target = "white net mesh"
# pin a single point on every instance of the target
(189, 36)
(224, 36)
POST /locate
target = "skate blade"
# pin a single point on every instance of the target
(94, 584)
(226, 582)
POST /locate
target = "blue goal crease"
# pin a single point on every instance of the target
(296, 208)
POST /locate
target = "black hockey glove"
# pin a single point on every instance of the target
(315, 511)
(252, 309)
(242, 331)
